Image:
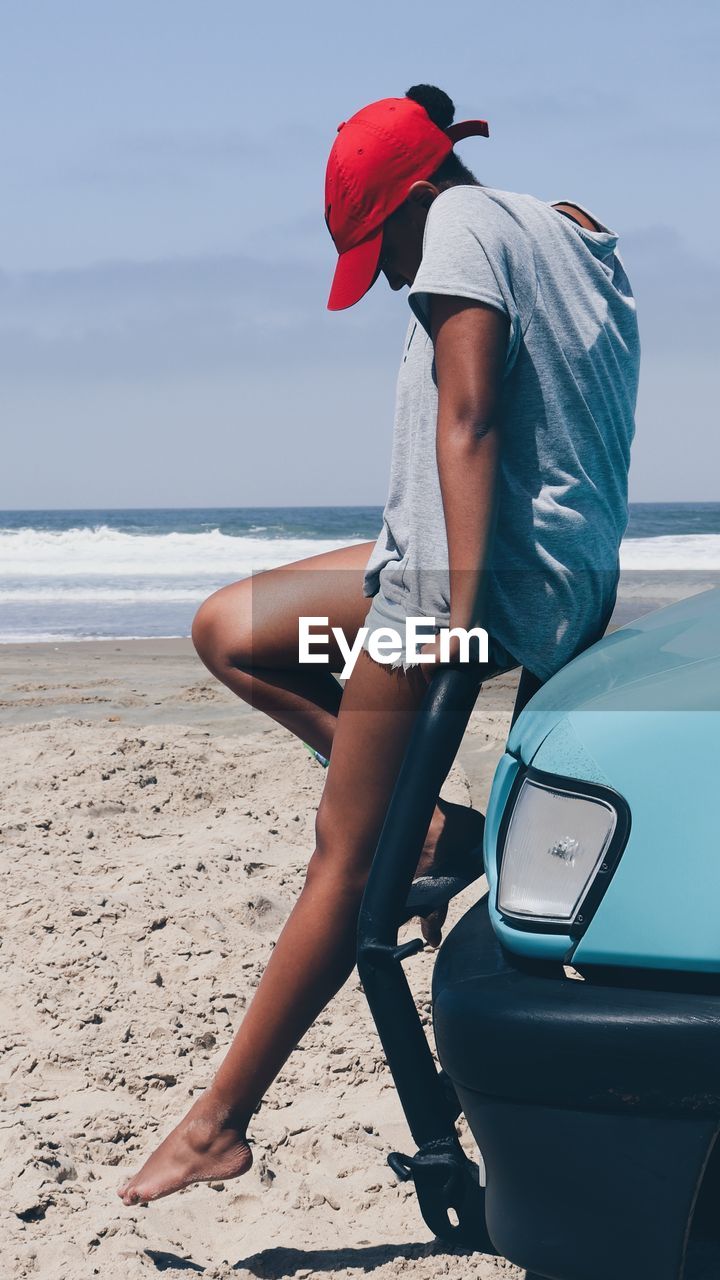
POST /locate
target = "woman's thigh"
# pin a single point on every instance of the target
(256, 621)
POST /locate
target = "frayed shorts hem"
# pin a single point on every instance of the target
(384, 614)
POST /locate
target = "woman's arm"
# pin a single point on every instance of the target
(470, 340)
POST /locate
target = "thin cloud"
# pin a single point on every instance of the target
(180, 317)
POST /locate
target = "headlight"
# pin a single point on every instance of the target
(555, 844)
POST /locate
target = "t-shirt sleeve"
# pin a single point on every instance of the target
(468, 253)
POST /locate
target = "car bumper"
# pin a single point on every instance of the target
(596, 1107)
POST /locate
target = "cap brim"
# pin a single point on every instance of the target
(356, 270)
(468, 129)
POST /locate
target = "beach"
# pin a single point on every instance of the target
(154, 833)
(154, 836)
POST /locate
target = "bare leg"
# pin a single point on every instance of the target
(247, 635)
(316, 949)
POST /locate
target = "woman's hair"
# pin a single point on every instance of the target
(441, 110)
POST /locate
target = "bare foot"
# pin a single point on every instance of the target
(205, 1146)
(454, 829)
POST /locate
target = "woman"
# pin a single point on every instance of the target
(507, 503)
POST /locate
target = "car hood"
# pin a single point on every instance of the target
(666, 661)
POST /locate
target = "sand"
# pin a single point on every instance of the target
(154, 835)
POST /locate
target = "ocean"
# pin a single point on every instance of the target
(72, 575)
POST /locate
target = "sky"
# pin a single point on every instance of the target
(164, 262)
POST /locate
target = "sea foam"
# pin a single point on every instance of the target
(108, 553)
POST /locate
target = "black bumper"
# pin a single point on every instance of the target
(596, 1107)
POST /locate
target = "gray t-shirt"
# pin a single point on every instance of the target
(567, 414)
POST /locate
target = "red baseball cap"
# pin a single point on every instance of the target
(377, 156)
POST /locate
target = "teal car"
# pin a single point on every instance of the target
(576, 1005)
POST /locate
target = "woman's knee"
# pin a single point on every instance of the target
(221, 629)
